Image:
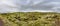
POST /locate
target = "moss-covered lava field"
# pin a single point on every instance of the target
(30, 19)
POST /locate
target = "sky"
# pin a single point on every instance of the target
(29, 6)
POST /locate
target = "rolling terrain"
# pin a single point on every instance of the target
(31, 19)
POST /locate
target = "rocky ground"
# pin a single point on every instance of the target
(30, 19)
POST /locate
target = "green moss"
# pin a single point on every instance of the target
(29, 18)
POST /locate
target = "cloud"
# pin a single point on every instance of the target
(43, 5)
(29, 5)
(8, 6)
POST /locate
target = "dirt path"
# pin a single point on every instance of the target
(57, 22)
(1, 23)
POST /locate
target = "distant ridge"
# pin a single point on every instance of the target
(32, 11)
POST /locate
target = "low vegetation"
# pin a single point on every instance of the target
(30, 19)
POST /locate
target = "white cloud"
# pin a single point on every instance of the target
(38, 11)
(8, 6)
(29, 5)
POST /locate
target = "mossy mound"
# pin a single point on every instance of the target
(29, 19)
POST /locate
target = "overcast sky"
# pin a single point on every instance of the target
(29, 5)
